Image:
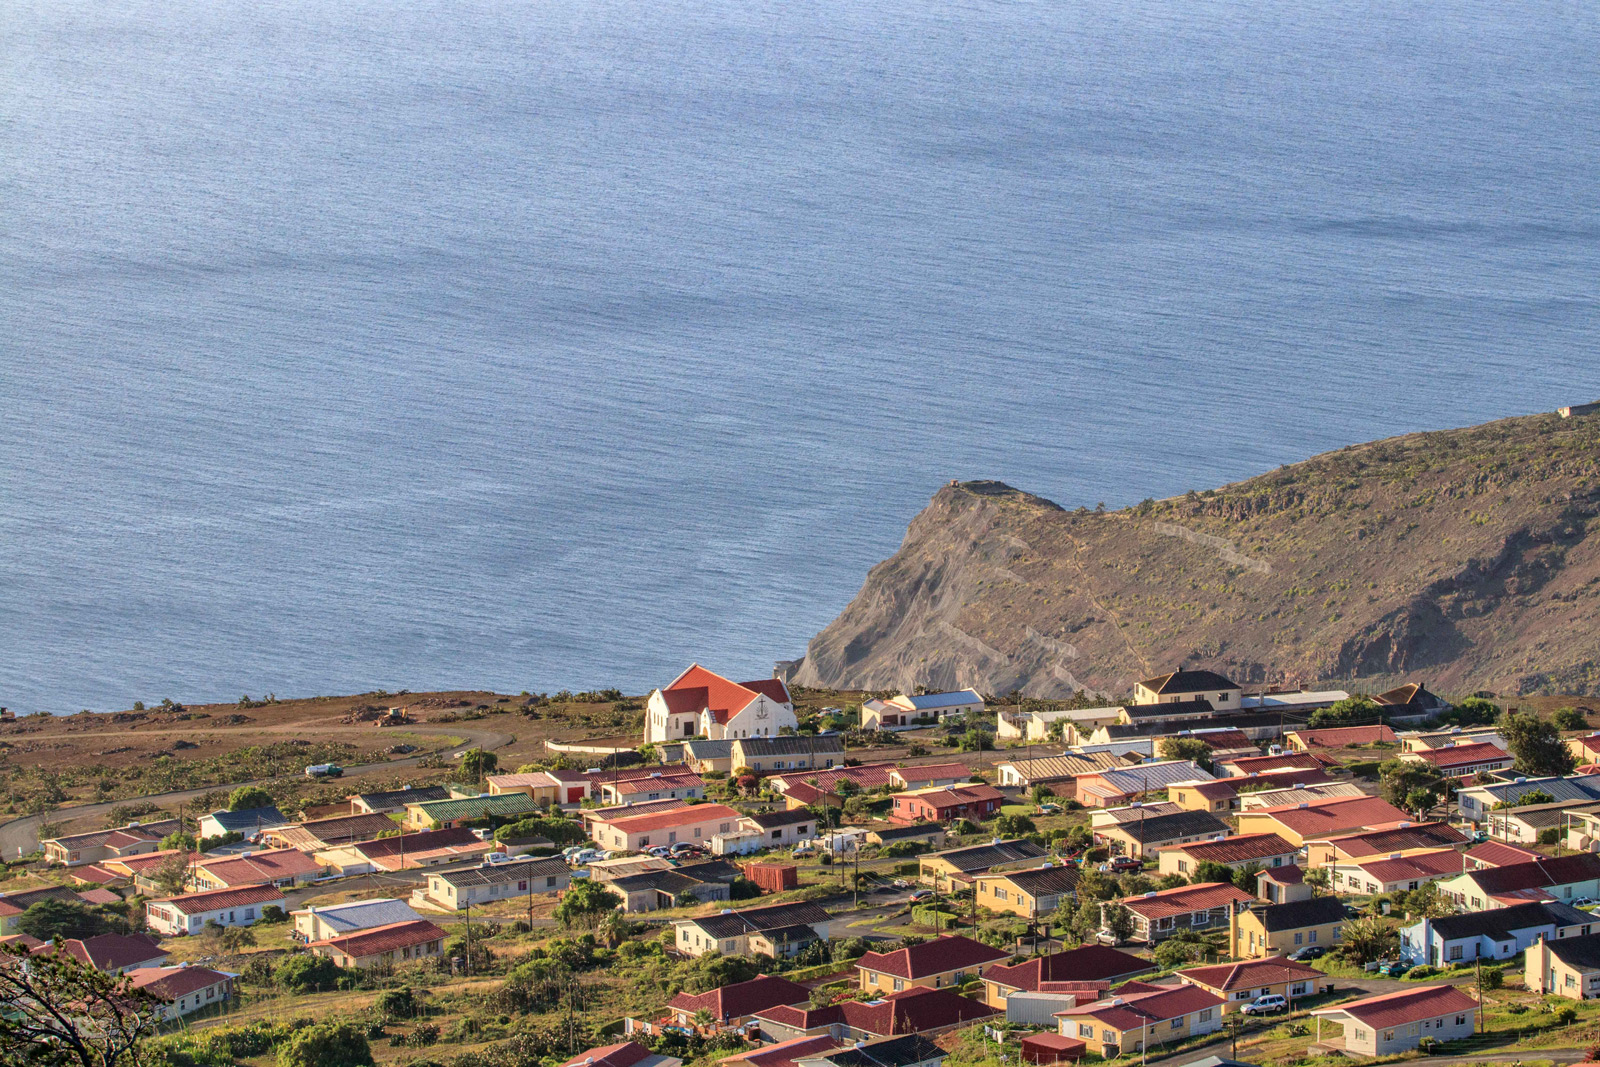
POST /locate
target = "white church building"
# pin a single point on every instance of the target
(702, 703)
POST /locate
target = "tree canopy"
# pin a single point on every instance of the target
(249, 796)
(51, 919)
(476, 764)
(1536, 745)
(1189, 748)
(1411, 786)
(1351, 711)
(585, 903)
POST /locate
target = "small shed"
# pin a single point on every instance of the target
(1051, 1048)
(773, 877)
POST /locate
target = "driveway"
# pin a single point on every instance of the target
(20, 836)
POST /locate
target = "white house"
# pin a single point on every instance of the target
(906, 712)
(188, 914)
(702, 703)
(183, 990)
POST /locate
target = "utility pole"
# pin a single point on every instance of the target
(469, 935)
(1477, 973)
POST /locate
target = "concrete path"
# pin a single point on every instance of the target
(20, 836)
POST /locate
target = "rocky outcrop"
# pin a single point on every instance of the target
(1465, 558)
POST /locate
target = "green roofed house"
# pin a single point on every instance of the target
(444, 814)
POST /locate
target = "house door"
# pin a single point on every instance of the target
(688, 728)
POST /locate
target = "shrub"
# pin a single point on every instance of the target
(326, 1045)
(1493, 977)
(274, 914)
(399, 1003)
(308, 974)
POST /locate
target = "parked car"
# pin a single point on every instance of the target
(920, 895)
(584, 858)
(1121, 865)
(1585, 902)
(1266, 1005)
(661, 851)
(1397, 969)
(1310, 952)
(901, 883)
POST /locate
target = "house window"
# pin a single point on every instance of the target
(1388, 1035)
(1455, 952)
(1204, 1016)
(899, 984)
(1109, 1036)
(1085, 1030)
(1177, 1024)
(550, 881)
(1361, 1035)
(1183, 866)
(1243, 994)
(1298, 938)
(1461, 1020)
(522, 886)
(1299, 989)
(1571, 981)
(644, 841)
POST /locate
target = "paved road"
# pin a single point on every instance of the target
(21, 836)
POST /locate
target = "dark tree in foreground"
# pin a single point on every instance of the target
(57, 1012)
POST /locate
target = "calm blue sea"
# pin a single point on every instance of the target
(543, 343)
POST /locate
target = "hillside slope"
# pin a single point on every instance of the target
(1467, 558)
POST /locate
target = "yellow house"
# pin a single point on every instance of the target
(1319, 819)
(1279, 929)
(1218, 795)
(955, 868)
(1239, 983)
(1143, 1016)
(1566, 968)
(939, 964)
(1029, 894)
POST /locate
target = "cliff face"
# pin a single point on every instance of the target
(1464, 558)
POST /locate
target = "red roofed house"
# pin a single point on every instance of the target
(189, 913)
(1463, 761)
(115, 953)
(920, 776)
(867, 777)
(732, 1005)
(1339, 737)
(183, 990)
(695, 824)
(1237, 983)
(1397, 1022)
(1498, 854)
(943, 804)
(1034, 990)
(1143, 1016)
(1159, 915)
(1391, 874)
(1268, 850)
(784, 1053)
(1319, 819)
(1245, 766)
(383, 946)
(1052, 1048)
(702, 703)
(650, 784)
(922, 1010)
(622, 1054)
(282, 867)
(944, 961)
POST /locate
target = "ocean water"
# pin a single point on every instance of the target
(542, 343)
